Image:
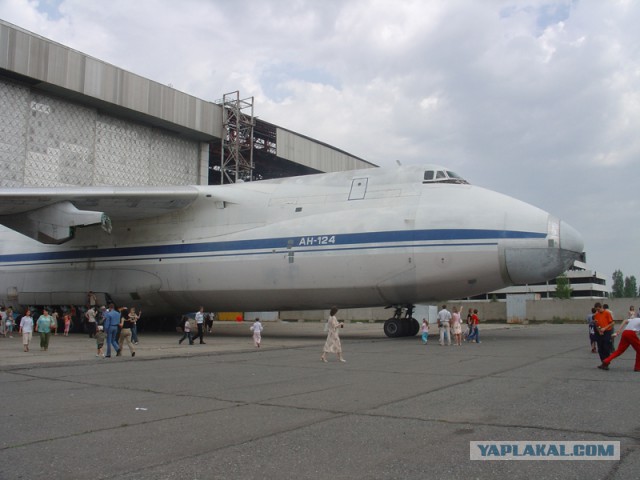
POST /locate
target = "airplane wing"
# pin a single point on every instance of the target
(50, 215)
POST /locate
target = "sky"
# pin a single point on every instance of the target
(539, 100)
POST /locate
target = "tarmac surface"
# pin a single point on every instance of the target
(396, 410)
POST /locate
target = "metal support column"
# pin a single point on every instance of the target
(236, 163)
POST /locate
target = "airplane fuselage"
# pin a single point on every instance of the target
(351, 239)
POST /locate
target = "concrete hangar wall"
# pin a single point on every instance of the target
(67, 119)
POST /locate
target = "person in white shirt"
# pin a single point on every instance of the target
(26, 329)
(630, 329)
(91, 321)
(256, 328)
(186, 328)
(200, 325)
(444, 323)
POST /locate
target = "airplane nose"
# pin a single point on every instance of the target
(570, 239)
(533, 263)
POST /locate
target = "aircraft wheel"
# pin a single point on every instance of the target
(392, 328)
(414, 327)
(405, 327)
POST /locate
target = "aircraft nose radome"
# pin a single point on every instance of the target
(570, 239)
(529, 264)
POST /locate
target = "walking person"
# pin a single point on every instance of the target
(208, 320)
(256, 328)
(186, 327)
(90, 315)
(612, 347)
(111, 322)
(469, 329)
(456, 326)
(425, 331)
(592, 331)
(333, 345)
(43, 327)
(125, 332)
(26, 329)
(134, 317)
(100, 336)
(67, 323)
(475, 334)
(8, 322)
(604, 328)
(200, 325)
(630, 329)
(444, 323)
(54, 322)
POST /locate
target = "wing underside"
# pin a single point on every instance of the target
(50, 215)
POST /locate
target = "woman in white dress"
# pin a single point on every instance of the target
(456, 326)
(332, 345)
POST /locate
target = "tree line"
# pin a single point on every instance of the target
(624, 287)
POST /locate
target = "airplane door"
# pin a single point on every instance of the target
(358, 188)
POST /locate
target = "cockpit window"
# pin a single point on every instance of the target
(443, 176)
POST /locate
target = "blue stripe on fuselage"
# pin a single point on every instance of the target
(391, 238)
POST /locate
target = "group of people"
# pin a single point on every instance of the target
(450, 324)
(118, 327)
(602, 334)
(46, 324)
(206, 321)
(202, 321)
(10, 320)
(7, 321)
(332, 343)
(115, 326)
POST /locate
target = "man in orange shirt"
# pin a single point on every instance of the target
(604, 328)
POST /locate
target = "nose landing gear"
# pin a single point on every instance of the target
(402, 324)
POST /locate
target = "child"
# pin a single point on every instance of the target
(425, 331)
(9, 323)
(187, 332)
(26, 329)
(67, 323)
(256, 328)
(100, 336)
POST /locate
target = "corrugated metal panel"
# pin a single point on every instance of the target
(305, 151)
(66, 67)
(13, 131)
(46, 141)
(41, 59)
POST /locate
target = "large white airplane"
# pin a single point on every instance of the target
(374, 237)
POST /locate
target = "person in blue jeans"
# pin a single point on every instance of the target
(133, 318)
(474, 336)
(425, 331)
(111, 322)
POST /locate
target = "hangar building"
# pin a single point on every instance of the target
(68, 119)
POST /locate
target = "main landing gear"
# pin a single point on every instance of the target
(401, 324)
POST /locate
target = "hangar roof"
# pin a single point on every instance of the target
(67, 73)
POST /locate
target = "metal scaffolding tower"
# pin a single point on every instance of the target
(236, 163)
